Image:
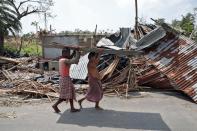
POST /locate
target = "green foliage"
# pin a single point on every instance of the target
(12, 11)
(31, 48)
(29, 35)
(176, 23)
(187, 23)
(9, 48)
(8, 18)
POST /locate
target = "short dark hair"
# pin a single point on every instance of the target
(92, 54)
(65, 50)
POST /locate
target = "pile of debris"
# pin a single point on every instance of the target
(119, 73)
(19, 76)
(168, 61)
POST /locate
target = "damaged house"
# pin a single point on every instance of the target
(160, 58)
(167, 60)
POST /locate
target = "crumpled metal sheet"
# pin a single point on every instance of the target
(176, 58)
(151, 38)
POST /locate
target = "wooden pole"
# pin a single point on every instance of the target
(129, 53)
(94, 36)
(45, 20)
(136, 20)
(136, 14)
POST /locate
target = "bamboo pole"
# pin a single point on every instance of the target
(129, 53)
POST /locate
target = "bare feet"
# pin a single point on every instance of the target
(98, 108)
(74, 110)
(80, 104)
(56, 109)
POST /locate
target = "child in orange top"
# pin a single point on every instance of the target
(67, 90)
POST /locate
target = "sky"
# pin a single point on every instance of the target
(107, 14)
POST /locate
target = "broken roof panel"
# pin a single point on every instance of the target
(126, 39)
(151, 38)
(105, 42)
(125, 34)
(176, 57)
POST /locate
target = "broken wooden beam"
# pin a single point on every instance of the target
(8, 60)
(7, 75)
(37, 71)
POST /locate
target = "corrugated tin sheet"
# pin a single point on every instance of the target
(176, 58)
(153, 78)
(80, 70)
(151, 38)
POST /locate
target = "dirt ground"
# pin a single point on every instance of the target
(144, 111)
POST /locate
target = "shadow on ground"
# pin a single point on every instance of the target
(114, 119)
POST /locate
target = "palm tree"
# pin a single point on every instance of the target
(8, 21)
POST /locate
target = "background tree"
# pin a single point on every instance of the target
(17, 10)
(187, 24)
(8, 21)
(35, 23)
(176, 24)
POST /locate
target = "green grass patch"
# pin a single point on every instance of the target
(32, 48)
(9, 48)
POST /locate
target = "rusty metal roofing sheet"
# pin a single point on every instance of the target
(176, 57)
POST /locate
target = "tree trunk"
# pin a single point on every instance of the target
(21, 44)
(1, 43)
